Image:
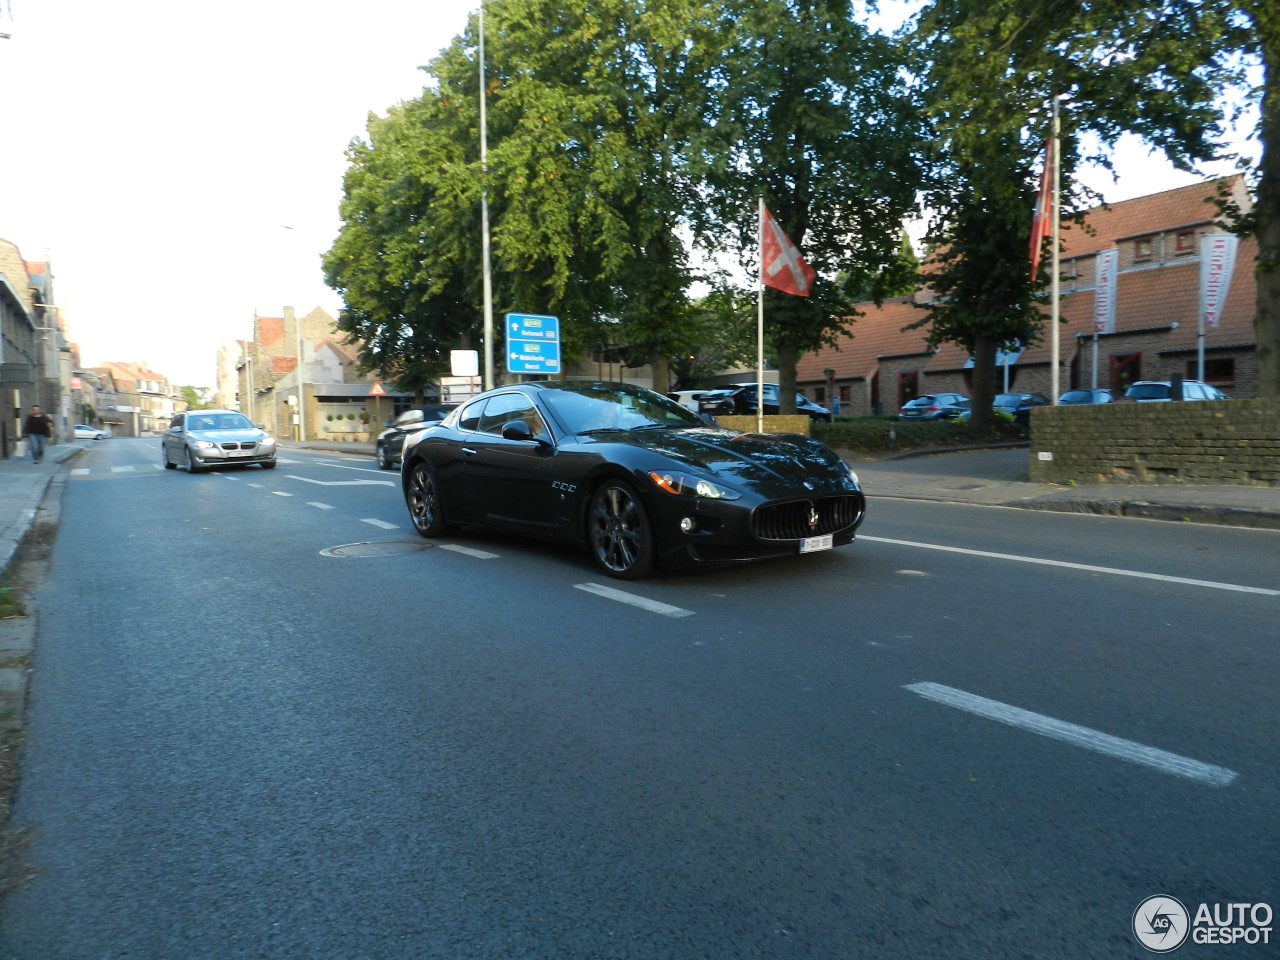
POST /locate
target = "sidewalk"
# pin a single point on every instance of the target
(999, 477)
(22, 489)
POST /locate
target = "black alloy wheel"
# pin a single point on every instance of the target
(422, 497)
(618, 531)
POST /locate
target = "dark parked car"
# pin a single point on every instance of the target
(391, 440)
(1078, 397)
(1015, 405)
(1156, 391)
(935, 406)
(1018, 405)
(740, 399)
(633, 476)
(216, 438)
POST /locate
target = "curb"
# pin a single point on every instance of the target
(1147, 510)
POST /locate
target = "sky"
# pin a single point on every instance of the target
(181, 164)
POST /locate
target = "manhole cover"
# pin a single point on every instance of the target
(375, 548)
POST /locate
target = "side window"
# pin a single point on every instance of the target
(469, 419)
(176, 422)
(506, 407)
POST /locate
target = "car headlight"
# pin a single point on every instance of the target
(852, 473)
(267, 442)
(204, 445)
(685, 485)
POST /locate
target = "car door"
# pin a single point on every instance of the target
(508, 481)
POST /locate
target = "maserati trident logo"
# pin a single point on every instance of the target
(813, 517)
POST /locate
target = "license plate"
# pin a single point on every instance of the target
(813, 544)
(239, 453)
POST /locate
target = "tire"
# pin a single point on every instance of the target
(422, 497)
(191, 461)
(269, 465)
(168, 464)
(618, 532)
(383, 462)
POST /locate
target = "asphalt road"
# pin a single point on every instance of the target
(976, 732)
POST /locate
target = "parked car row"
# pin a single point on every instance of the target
(956, 406)
(740, 399)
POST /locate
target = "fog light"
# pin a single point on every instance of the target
(687, 525)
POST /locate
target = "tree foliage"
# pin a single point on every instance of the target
(992, 68)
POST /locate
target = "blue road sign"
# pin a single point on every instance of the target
(533, 343)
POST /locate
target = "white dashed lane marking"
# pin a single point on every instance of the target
(380, 523)
(469, 551)
(631, 599)
(1086, 567)
(1095, 740)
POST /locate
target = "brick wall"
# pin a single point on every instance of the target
(1223, 442)
(790, 423)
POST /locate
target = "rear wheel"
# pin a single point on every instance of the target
(422, 497)
(618, 532)
(384, 462)
(164, 454)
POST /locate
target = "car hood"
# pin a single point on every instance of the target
(772, 464)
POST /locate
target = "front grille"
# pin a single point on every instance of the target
(790, 521)
(238, 446)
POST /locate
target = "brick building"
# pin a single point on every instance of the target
(880, 365)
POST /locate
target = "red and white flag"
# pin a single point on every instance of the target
(1042, 217)
(781, 265)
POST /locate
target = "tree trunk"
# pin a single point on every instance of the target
(1266, 319)
(984, 383)
(660, 363)
(787, 356)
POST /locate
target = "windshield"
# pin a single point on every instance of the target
(1149, 391)
(219, 421)
(595, 407)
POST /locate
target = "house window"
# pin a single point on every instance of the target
(1184, 243)
(1142, 249)
(1219, 371)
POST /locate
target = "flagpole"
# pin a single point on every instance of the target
(760, 318)
(1054, 280)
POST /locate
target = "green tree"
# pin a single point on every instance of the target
(813, 116)
(196, 398)
(992, 69)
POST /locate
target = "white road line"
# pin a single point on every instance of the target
(280, 493)
(1095, 740)
(644, 603)
(342, 483)
(380, 523)
(469, 551)
(318, 505)
(1087, 567)
(125, 469)
(80, 472)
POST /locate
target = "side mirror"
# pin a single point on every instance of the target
(518, 430)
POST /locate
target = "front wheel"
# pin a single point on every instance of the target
(618, 532)
(192, 466)
(384, 462)
(422, 497)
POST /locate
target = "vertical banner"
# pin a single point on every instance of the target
(1217, 262)
(1104, 291)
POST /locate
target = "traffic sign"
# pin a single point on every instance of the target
(533, 343)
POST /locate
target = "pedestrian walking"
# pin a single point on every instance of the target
(36, 430)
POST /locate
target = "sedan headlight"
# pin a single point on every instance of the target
(267, 442)
(852, 475)
(685, 485)
(204, 445)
